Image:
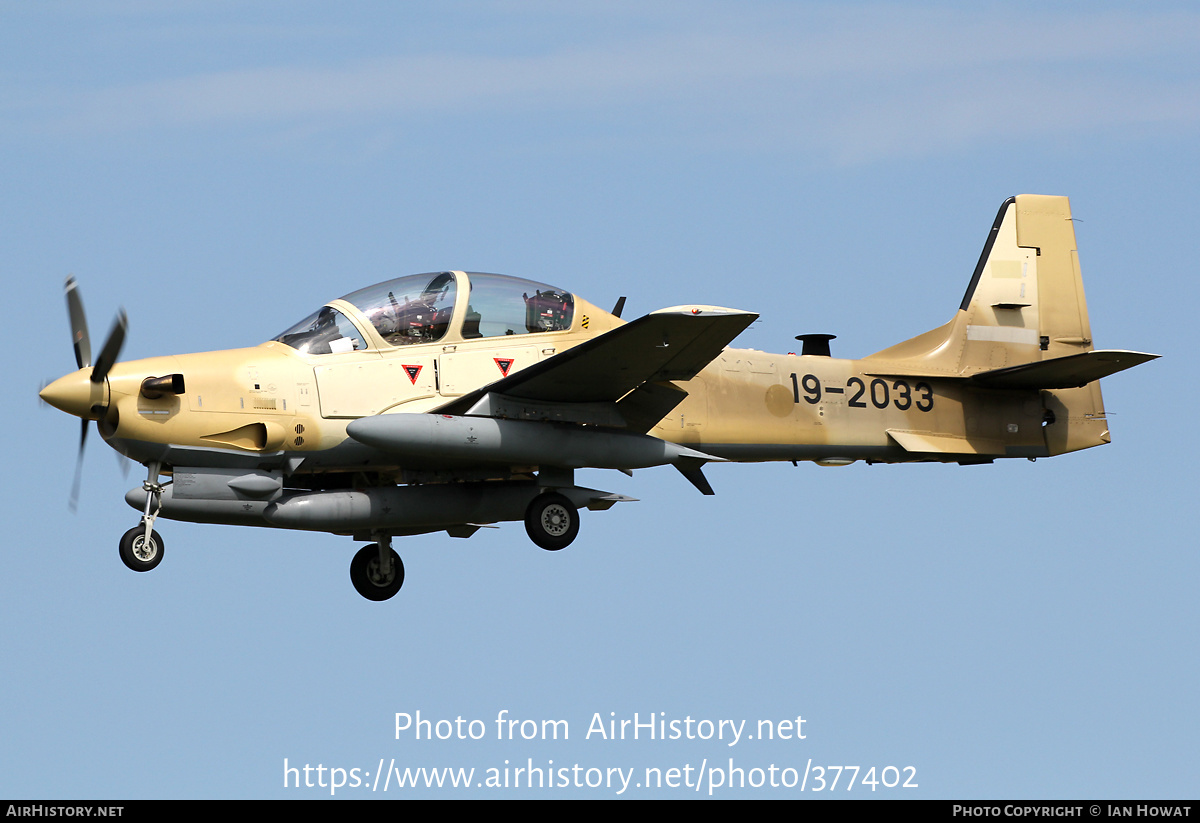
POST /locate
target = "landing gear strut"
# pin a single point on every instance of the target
(376, 571)
(141, 546)
(551, 521)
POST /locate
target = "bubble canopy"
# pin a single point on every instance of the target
(421, 308)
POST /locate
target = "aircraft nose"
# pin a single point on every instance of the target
(72, 393)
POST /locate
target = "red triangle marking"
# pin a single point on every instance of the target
(412, 372)
(504, 364)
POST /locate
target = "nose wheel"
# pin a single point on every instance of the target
(138, 552)
(376, 571)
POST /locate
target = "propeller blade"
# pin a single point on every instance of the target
(123, 465)
(83, 358)
(112, 348)
(79, 330)
(73, 503)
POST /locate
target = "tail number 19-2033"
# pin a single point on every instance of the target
(878, 392)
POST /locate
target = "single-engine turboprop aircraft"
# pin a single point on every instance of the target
(449, 401)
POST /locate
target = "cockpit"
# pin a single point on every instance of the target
(431, 308)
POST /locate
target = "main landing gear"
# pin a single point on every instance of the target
(376, 571)
(551, 521)
(141, 546)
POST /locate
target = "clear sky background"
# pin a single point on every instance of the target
(221, 169)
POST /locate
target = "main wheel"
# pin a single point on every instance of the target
(551, 521)
(139, 554)
(366, 576)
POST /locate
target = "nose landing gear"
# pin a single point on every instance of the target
(141, 546)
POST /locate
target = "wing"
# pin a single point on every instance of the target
(632, 364)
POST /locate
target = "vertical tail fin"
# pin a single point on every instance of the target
(1024, 304)
(1025, 301)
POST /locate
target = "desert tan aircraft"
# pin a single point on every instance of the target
(454, 400)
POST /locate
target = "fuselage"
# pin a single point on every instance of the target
(286, 405)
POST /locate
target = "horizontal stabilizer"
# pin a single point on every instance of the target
(1067, 372)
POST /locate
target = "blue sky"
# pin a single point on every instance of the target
(221, 169)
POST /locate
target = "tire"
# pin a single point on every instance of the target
(137, 554)
(364, 574)
(551, 521)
